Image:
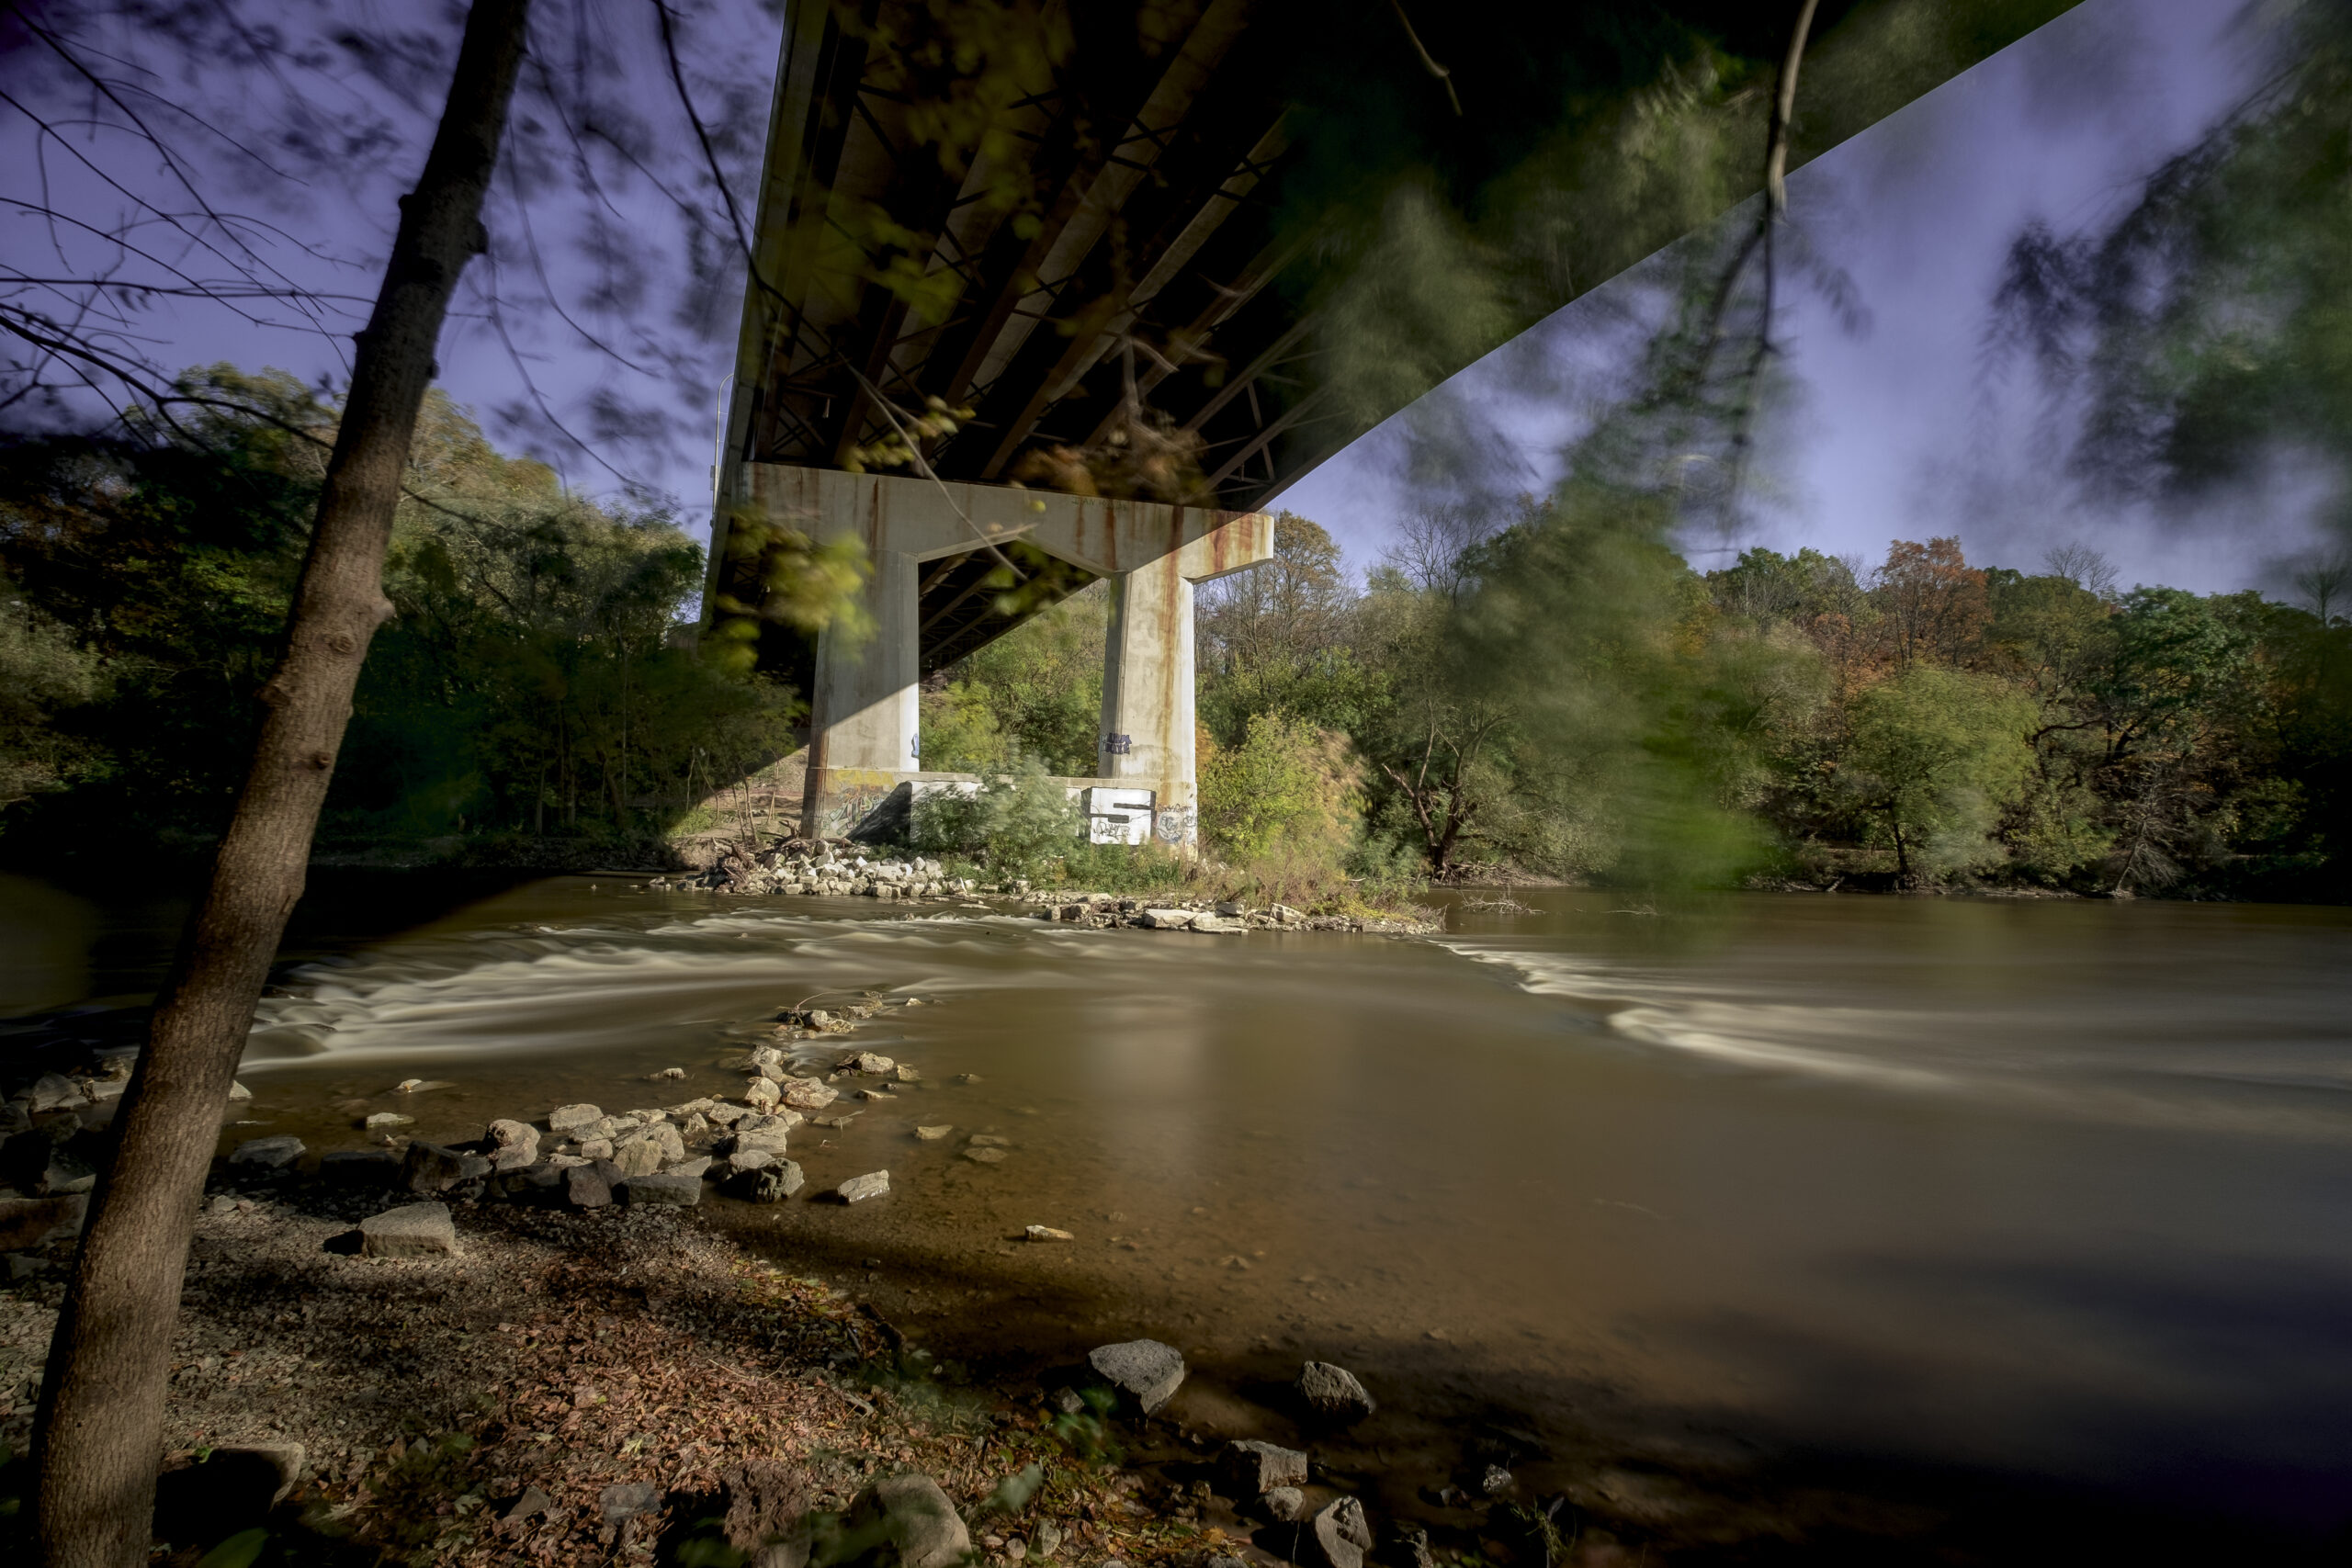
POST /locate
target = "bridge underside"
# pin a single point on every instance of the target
(1115, 233)
(923, 537)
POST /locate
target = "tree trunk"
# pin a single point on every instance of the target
(100, 1428)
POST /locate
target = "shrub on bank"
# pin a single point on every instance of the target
(1019, 822)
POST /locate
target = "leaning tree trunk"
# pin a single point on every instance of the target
(99, 1436)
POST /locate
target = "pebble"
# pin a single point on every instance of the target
(1047, 1233)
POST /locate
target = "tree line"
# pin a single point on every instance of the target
(537, 690)
(1566, 697)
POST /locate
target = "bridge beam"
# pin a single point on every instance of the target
(865, 727)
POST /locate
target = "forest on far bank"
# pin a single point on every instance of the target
(1560, 696)
(1565, 697)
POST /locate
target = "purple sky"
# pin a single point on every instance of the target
(1898, 435)
(592, 217)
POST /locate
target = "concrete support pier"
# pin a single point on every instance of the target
(868, 686)
(1147, 741)
(864, 734)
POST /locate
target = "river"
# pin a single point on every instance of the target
(2055, 1192)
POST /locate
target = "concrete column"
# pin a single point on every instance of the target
(1146, 738)
(866, 713)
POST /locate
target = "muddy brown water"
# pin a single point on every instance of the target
(2057, 1193)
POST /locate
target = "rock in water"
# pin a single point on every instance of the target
(566, 1118)
(932, 1134)
(275, 1152)
(984, 1156)
(53, 1090)
(1333, 1393)
(775, 1183)
(644, 1152)
(1047, 1233)
(412, 1230)
(911, 1519)
(385, 1121)
(760, 1093)
(807, 1094)
(1339, 1537)
(857, 1188)
(770, 1140)
(1145, 1369)
(877, 1065)
(1258, 1468)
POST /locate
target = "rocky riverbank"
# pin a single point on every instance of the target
(521, 1348)
(527, 1347)
(840, 869)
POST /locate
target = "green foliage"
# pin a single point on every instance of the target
(43, 675)
(2204, 326)
(1937, 755)
(1124, 868)
(533, 679)
(1587, 625)
(961, 732)
(239, 1550)
(1288, 787)
(1037, 691)
(1022, 821)
(1281, 637)
(803, 584)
